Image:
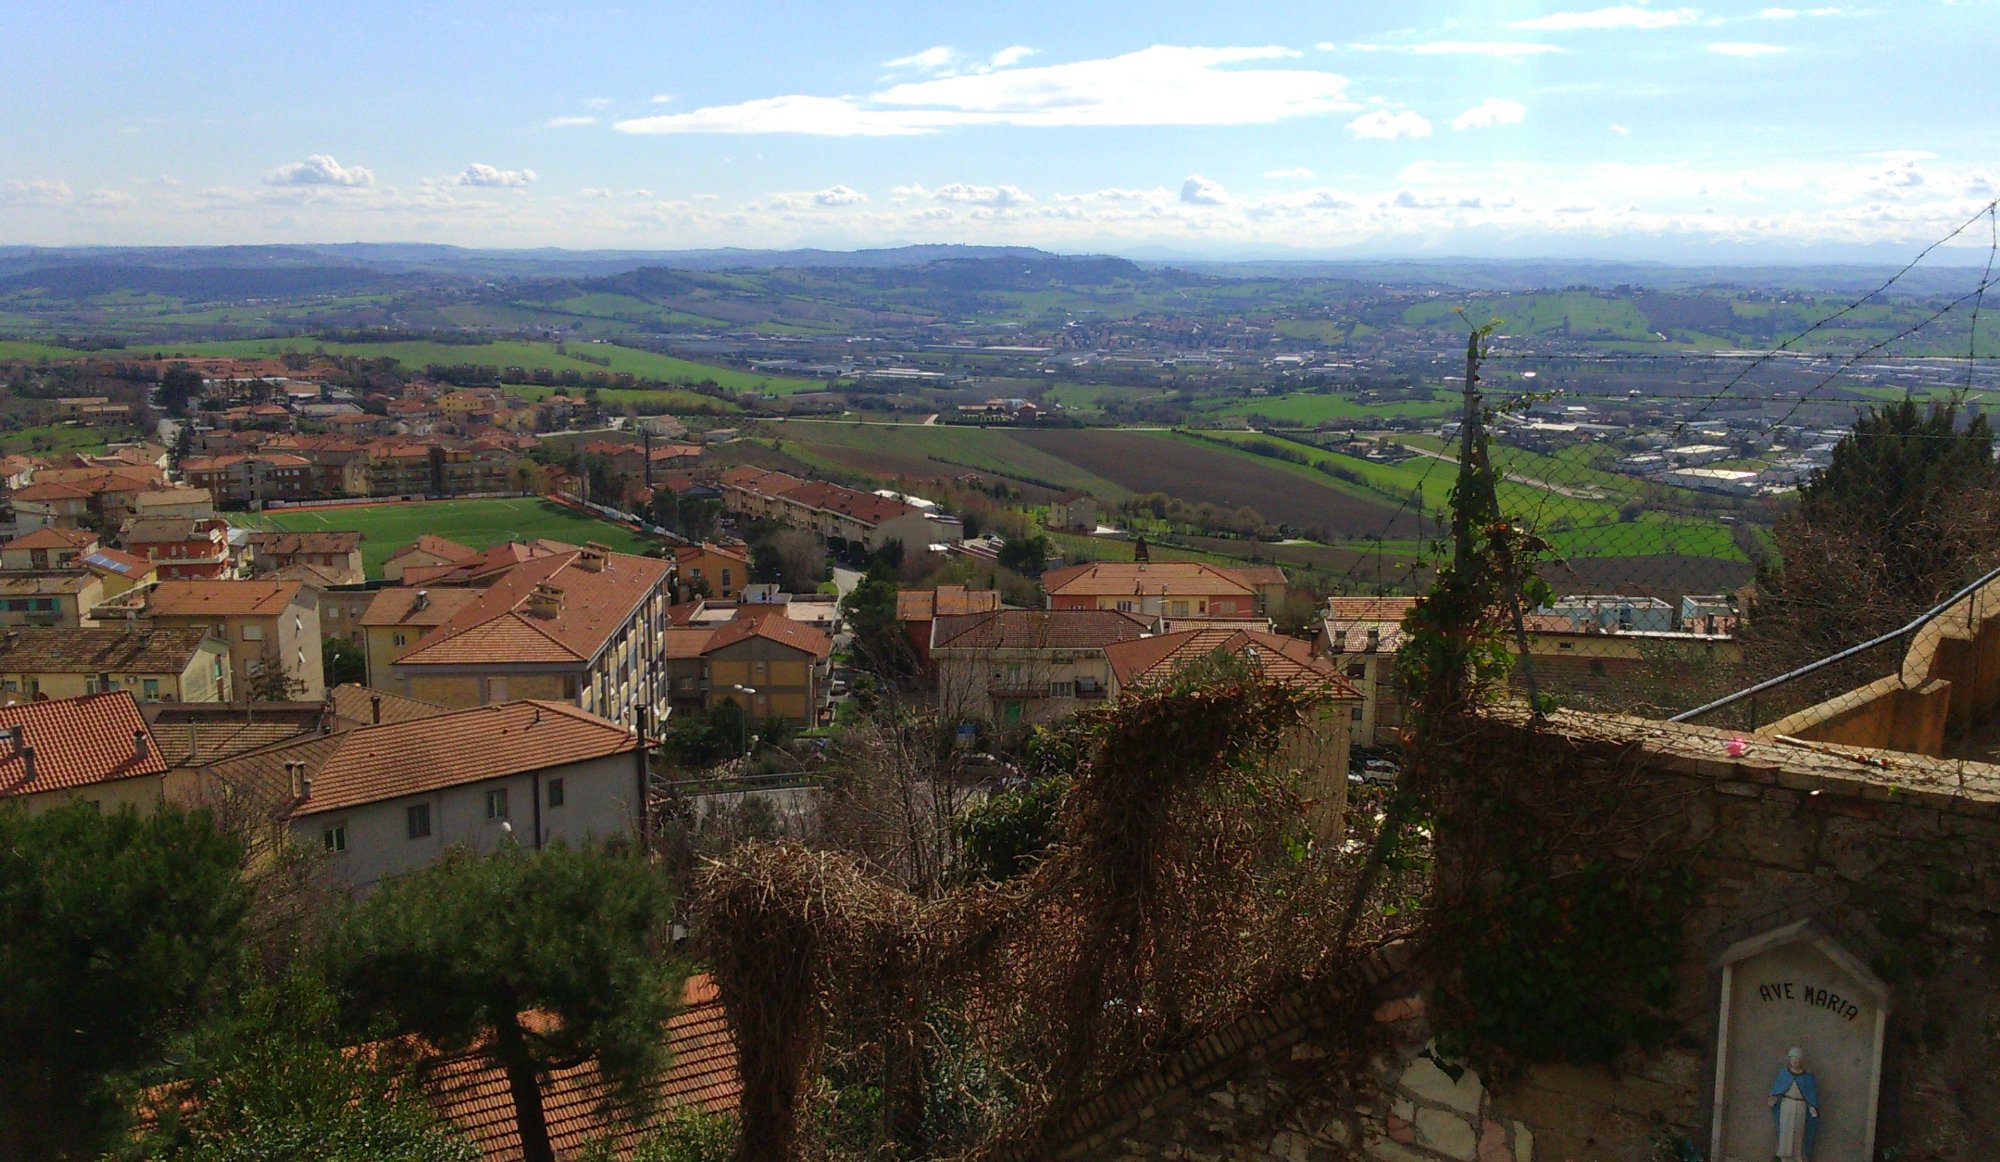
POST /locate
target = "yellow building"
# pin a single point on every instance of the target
(397, 619)
(153, 665)
(725, 571)
(579, 625)
(769, 665)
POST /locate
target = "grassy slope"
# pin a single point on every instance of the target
(479, 523)
(1312, 408)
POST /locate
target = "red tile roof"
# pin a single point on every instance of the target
(1368, 608)
(500, 627)
(944, 601)
(371, 764)
(436, 546)
(53, 538)
(771, 625)
(78, 742)
(1117, 578)
(1043, 629)
(400, 606)
(282, 544)
(471, 1092)
(221, 598)
(1282, 659)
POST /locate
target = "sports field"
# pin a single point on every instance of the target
(481, 524)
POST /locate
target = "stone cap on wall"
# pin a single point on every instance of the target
(1957, 786)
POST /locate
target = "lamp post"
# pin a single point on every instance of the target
(748, 692)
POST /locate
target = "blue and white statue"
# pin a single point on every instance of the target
(1795, 1108)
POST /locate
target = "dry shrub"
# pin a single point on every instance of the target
(1182, 891)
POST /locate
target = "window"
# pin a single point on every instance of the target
(1358, 670)
(417, 820)
(335, 838)
(1062, 689)
(496, 803)
(1124, 607)
(727, 576)
(1355, 714)
(399, 638)
(253, 633)
(496, 689)
(150, 689)
(555, 792)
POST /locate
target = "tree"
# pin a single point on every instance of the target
(880, 644)
(1903, 515)
(342, 662)
(1026, 555)
(279, 1084)
(117, 931)
(700, 519)
(178, 386)
(272, 682)
(540, 960)
(664, 509)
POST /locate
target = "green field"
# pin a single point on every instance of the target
(991, 450)
(57, 438)
(1310, 408)
(27, 349)
(672, 399)
(416, 354)
(481, 524)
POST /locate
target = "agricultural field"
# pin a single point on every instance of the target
(481, 524)
(30, 350)
(957, 448)
(1311, 408)
(1200, 472)
(416, 355)
(661, 399)
(1579, 314)
(53, 439)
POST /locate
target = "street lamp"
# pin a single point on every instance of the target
(748, 692)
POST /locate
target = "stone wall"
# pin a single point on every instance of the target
(1898, 860)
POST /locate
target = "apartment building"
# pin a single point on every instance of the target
(1360, 636)
(94, 749)
(1159, 589)
(183, 664)
(181, 549)
(836, 512)
(581, 626)
(250, 478)
(1015, 666)
(334, 555)
(269, 625)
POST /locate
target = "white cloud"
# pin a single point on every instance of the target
(1382, 125)
(35, 192)
(567, 122)
(1620, 16)
(1297, 171)
(930, 60)
(481, 174)
(1199, 191)
(1013, 54)
(965, 193)
(1795, 13)
(839, 196)
(1621, 130)
(105, 199)
(319, 170)
(1490, 112)
(597, 103)
(1162, 85)
(1504, 49)
(595, 192)
(1745, 48)
(661, 99)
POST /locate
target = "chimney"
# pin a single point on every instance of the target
(1340, 641)
(140, 746)
(295, 774)
(27, 764)
(546, 601)
(375, 708)
(423, 600)
(593, 556)
(1374, 640)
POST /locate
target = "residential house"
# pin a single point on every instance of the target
(917, 609)
(385, 800)
(1315, 749)
(188, 664)
(836, 512)
(183, 549)
(118, 570)
(339, 462)
(49, 547)
(113, 490)
(581, 626)
(1015, 666)
(252, 478)
(189, 503)
(1360, 636)
(721, 570)
(1159, 589)
(768, 664)
(1076, 511)
(42, 505)
(95, 749)
(335, 555)
(397, 619)
(428, 549)
(270, 626)
(54, 598)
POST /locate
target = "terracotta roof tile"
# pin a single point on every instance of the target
(1368, 608)
(1114, 578)
(222, 598)
(399, 606)
(1043, 629)
(685, 642)
(770, 625)
(370, 764)
(470, 1091)
(78, 742)
(283, 544)
(437, 546)
(166, 650)
(354, 705)
(53, 538)
(595, 605)
(1282, 659)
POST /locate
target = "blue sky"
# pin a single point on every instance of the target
(1628, 129)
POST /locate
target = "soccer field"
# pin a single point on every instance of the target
(384, 528)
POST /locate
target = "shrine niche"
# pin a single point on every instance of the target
(1798, 1064)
